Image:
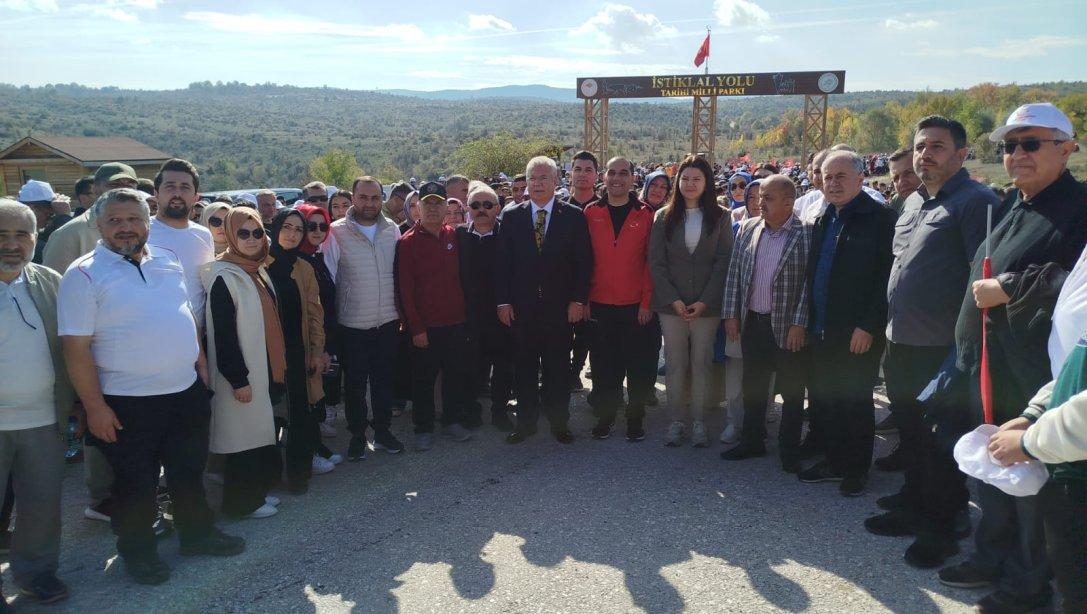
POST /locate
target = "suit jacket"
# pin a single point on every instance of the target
(478, 301)
(857, 294)
(542, 283)
(679, 275)
(790, 281)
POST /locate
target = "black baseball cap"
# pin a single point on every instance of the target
(431, 189)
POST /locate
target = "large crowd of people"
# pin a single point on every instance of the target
(196, 339)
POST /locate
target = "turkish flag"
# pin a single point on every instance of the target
(703, 52)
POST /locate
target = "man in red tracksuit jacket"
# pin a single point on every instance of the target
(626, 339)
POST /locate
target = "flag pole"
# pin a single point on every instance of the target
(711, 48)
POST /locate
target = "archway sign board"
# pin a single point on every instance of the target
(815, 86)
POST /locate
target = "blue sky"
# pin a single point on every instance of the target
(165, 44)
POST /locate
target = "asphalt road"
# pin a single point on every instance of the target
(482, 526)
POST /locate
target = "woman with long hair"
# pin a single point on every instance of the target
(213, 218)
(302, 317)
(246, 366)
(338, 204)
(689, 251)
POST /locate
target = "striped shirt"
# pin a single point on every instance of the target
(771, 244)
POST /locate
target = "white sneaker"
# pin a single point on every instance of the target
(675, 434)
(327, 430)
(321, 465)
(270, 500)
(263, 511)
(698, 435)
(92, 514)
(729, 435)
(335, 459)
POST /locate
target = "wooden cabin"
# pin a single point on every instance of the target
(63, 160)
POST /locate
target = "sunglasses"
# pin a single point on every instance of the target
(244, 234)
(215, 222)
(315, 226)
(317, 198)
(1029, 146)
(476, 204)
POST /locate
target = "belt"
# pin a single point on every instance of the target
(760, 317)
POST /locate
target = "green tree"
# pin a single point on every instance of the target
(877, 131)
(501, 152)
(335, 167)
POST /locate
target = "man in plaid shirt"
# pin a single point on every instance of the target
(766, 309)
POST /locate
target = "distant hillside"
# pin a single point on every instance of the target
(260, 135)
(538, 92)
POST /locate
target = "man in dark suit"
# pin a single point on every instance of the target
(544, 265)
(848, 271)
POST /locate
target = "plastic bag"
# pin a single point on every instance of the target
(1018, 480)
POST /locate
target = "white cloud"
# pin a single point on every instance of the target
(27, 6)
(905, 26)
(1034, 47)
(117, 10)
(625, 28)
(553, 64)
(253, 23)
(739, 13)
(767, 38)
(489, 22)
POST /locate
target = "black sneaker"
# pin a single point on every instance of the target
(928, 551)
(148, 569)
(853, 486)
(742, 452)
(966, 575)
(1002, 602)
(356, 449)
(564, 437)
(576, 385)
(635, 432)
(386, 441)
(887, 425)
(891, 524)
(820, 472)
(892, 462)
(215, 543)
(602, 430)
(46, 588)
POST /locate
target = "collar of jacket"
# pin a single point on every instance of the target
(634, 201)
(862, 204)
(382, 221)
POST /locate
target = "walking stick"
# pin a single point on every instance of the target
(986, 378)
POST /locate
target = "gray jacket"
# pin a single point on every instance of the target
(683, 276)
(42, 285)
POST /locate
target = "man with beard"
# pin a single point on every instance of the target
(176, 186)
(134, 358)
(360, 254)
(79, 236)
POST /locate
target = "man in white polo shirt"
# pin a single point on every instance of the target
(176, 186)
(131, 346)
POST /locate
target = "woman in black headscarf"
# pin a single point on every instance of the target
(302, 318)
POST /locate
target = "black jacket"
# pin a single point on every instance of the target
(857, 293)
(542, 284)
(478, 259)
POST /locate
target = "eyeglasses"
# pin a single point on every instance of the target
(315, 226)
(1029, 145)
(21, 315)
(317, 198)
(215, 222)
(476, 204)
(244, 234)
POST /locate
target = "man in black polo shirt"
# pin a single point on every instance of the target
(941, 226)
(1034, 246)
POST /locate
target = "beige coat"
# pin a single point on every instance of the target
(313, 322)
(237, 426)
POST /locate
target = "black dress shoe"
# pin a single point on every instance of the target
(928, 551)
(46, 588)
(215, 543)
(893, 502)
(966, 575)
(148, 569)
(891, 524)
(519, 436)
(1002, 602)
(853, 486)
(741, 452)
(892, 462)
(820, 472)
(565, 437)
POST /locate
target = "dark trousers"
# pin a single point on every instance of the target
(622, 349)
(934, 487)
(841, 389)
(493, 353)
(583, 342)
(1010, 541)
(171, 431)
(541, 347)
(447, 353)
(368, 358)
(248, 476)
(1064, 509)
(762, 358)
(402, 375)
(332, 385)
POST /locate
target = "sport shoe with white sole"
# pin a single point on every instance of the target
(270, 500)
(674, 437)
(456, 432)
(730, 434)
(335, 459)
(698, 435)
(263, 511)
(321, 465)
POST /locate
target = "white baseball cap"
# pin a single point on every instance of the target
(36, 192)
(1034, 115)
